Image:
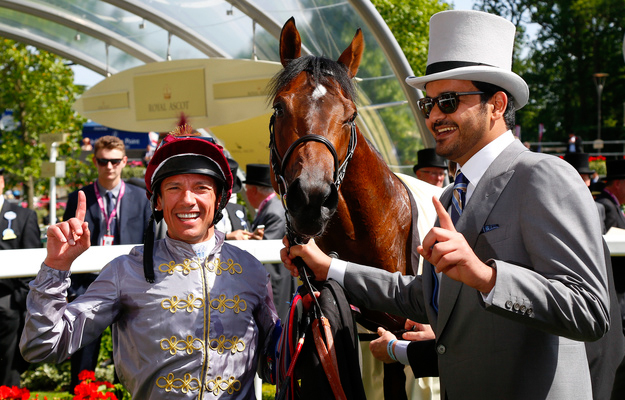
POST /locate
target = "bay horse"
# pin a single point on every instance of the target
(335, 185)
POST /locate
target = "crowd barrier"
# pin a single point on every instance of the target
(26, 262)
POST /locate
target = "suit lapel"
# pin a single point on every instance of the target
(472, 221)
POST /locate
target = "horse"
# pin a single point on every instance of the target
(335, 186)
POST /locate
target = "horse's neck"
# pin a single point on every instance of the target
(373, 218)
(371, 177)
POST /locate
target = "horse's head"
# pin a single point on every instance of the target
(313, 132)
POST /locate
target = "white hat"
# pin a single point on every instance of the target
(475, 46)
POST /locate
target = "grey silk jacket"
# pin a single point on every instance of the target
(196, 333)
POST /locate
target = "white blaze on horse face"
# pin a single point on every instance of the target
(319, 92)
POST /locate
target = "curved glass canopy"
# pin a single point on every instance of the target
(110, 36)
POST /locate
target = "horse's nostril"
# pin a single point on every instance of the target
(332, 200)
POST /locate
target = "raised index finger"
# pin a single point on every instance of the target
(81, 208)
(444, 218)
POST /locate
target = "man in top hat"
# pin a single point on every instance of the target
(514, 280)
(430, 167)
(19, 230)
(612, 197)
(190, 314)
(235, 223)
(270, 224)
(613, 194)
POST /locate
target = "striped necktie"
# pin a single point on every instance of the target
(459, 196)
(457, 205)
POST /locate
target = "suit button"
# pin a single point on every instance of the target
(530, 312)
(509, 304)
(440, 349)
(523, 309)
(516, 306)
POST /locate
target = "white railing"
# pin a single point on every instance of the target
(24, 263)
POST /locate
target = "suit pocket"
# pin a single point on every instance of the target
(489, 238)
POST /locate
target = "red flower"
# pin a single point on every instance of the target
(14, 393)
(86, 375)
(90, 389)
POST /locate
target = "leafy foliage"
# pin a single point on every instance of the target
(408, 20)
(39, 88)
(576, 39)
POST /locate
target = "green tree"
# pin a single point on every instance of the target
(409, 22)
(576, 39)
(38, 87)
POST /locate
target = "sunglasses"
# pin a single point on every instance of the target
(103, 162)
(446, 102)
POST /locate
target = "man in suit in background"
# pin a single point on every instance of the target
(270, 215)
(20, 230)
(430, 167)
(235, 223)
(515, 279)
(612, 197)
(116, 213)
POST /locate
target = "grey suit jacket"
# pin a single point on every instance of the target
(550, 292)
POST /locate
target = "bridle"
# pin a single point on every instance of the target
(279, 163)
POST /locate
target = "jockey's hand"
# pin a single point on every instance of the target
(448, 251)
(68, 239)
(315, 259)
(378, 346)
(416, 331)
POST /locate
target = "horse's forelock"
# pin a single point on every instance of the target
(321, 68)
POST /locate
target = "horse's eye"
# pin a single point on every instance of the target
(278, 111)
(353, 118)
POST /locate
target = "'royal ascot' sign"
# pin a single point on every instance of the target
(210, 92)
(158, 95)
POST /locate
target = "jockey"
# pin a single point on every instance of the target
(190, 314)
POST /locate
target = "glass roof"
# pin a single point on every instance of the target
(110, 36)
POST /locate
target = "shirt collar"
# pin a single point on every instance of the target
(115, 190)
(477, 165)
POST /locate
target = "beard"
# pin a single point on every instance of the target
(467, 136)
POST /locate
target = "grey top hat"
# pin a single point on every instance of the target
(579, 161)
(257, 174)
(429, 158)
(475, 46)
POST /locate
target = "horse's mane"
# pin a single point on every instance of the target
(321, 68)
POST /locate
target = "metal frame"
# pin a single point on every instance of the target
(365, 9)
(21, 35)
(84, 26)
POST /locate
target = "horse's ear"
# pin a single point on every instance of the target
(353, 53)
(290, 42)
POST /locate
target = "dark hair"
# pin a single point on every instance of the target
(489, 91)
(322, 70)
